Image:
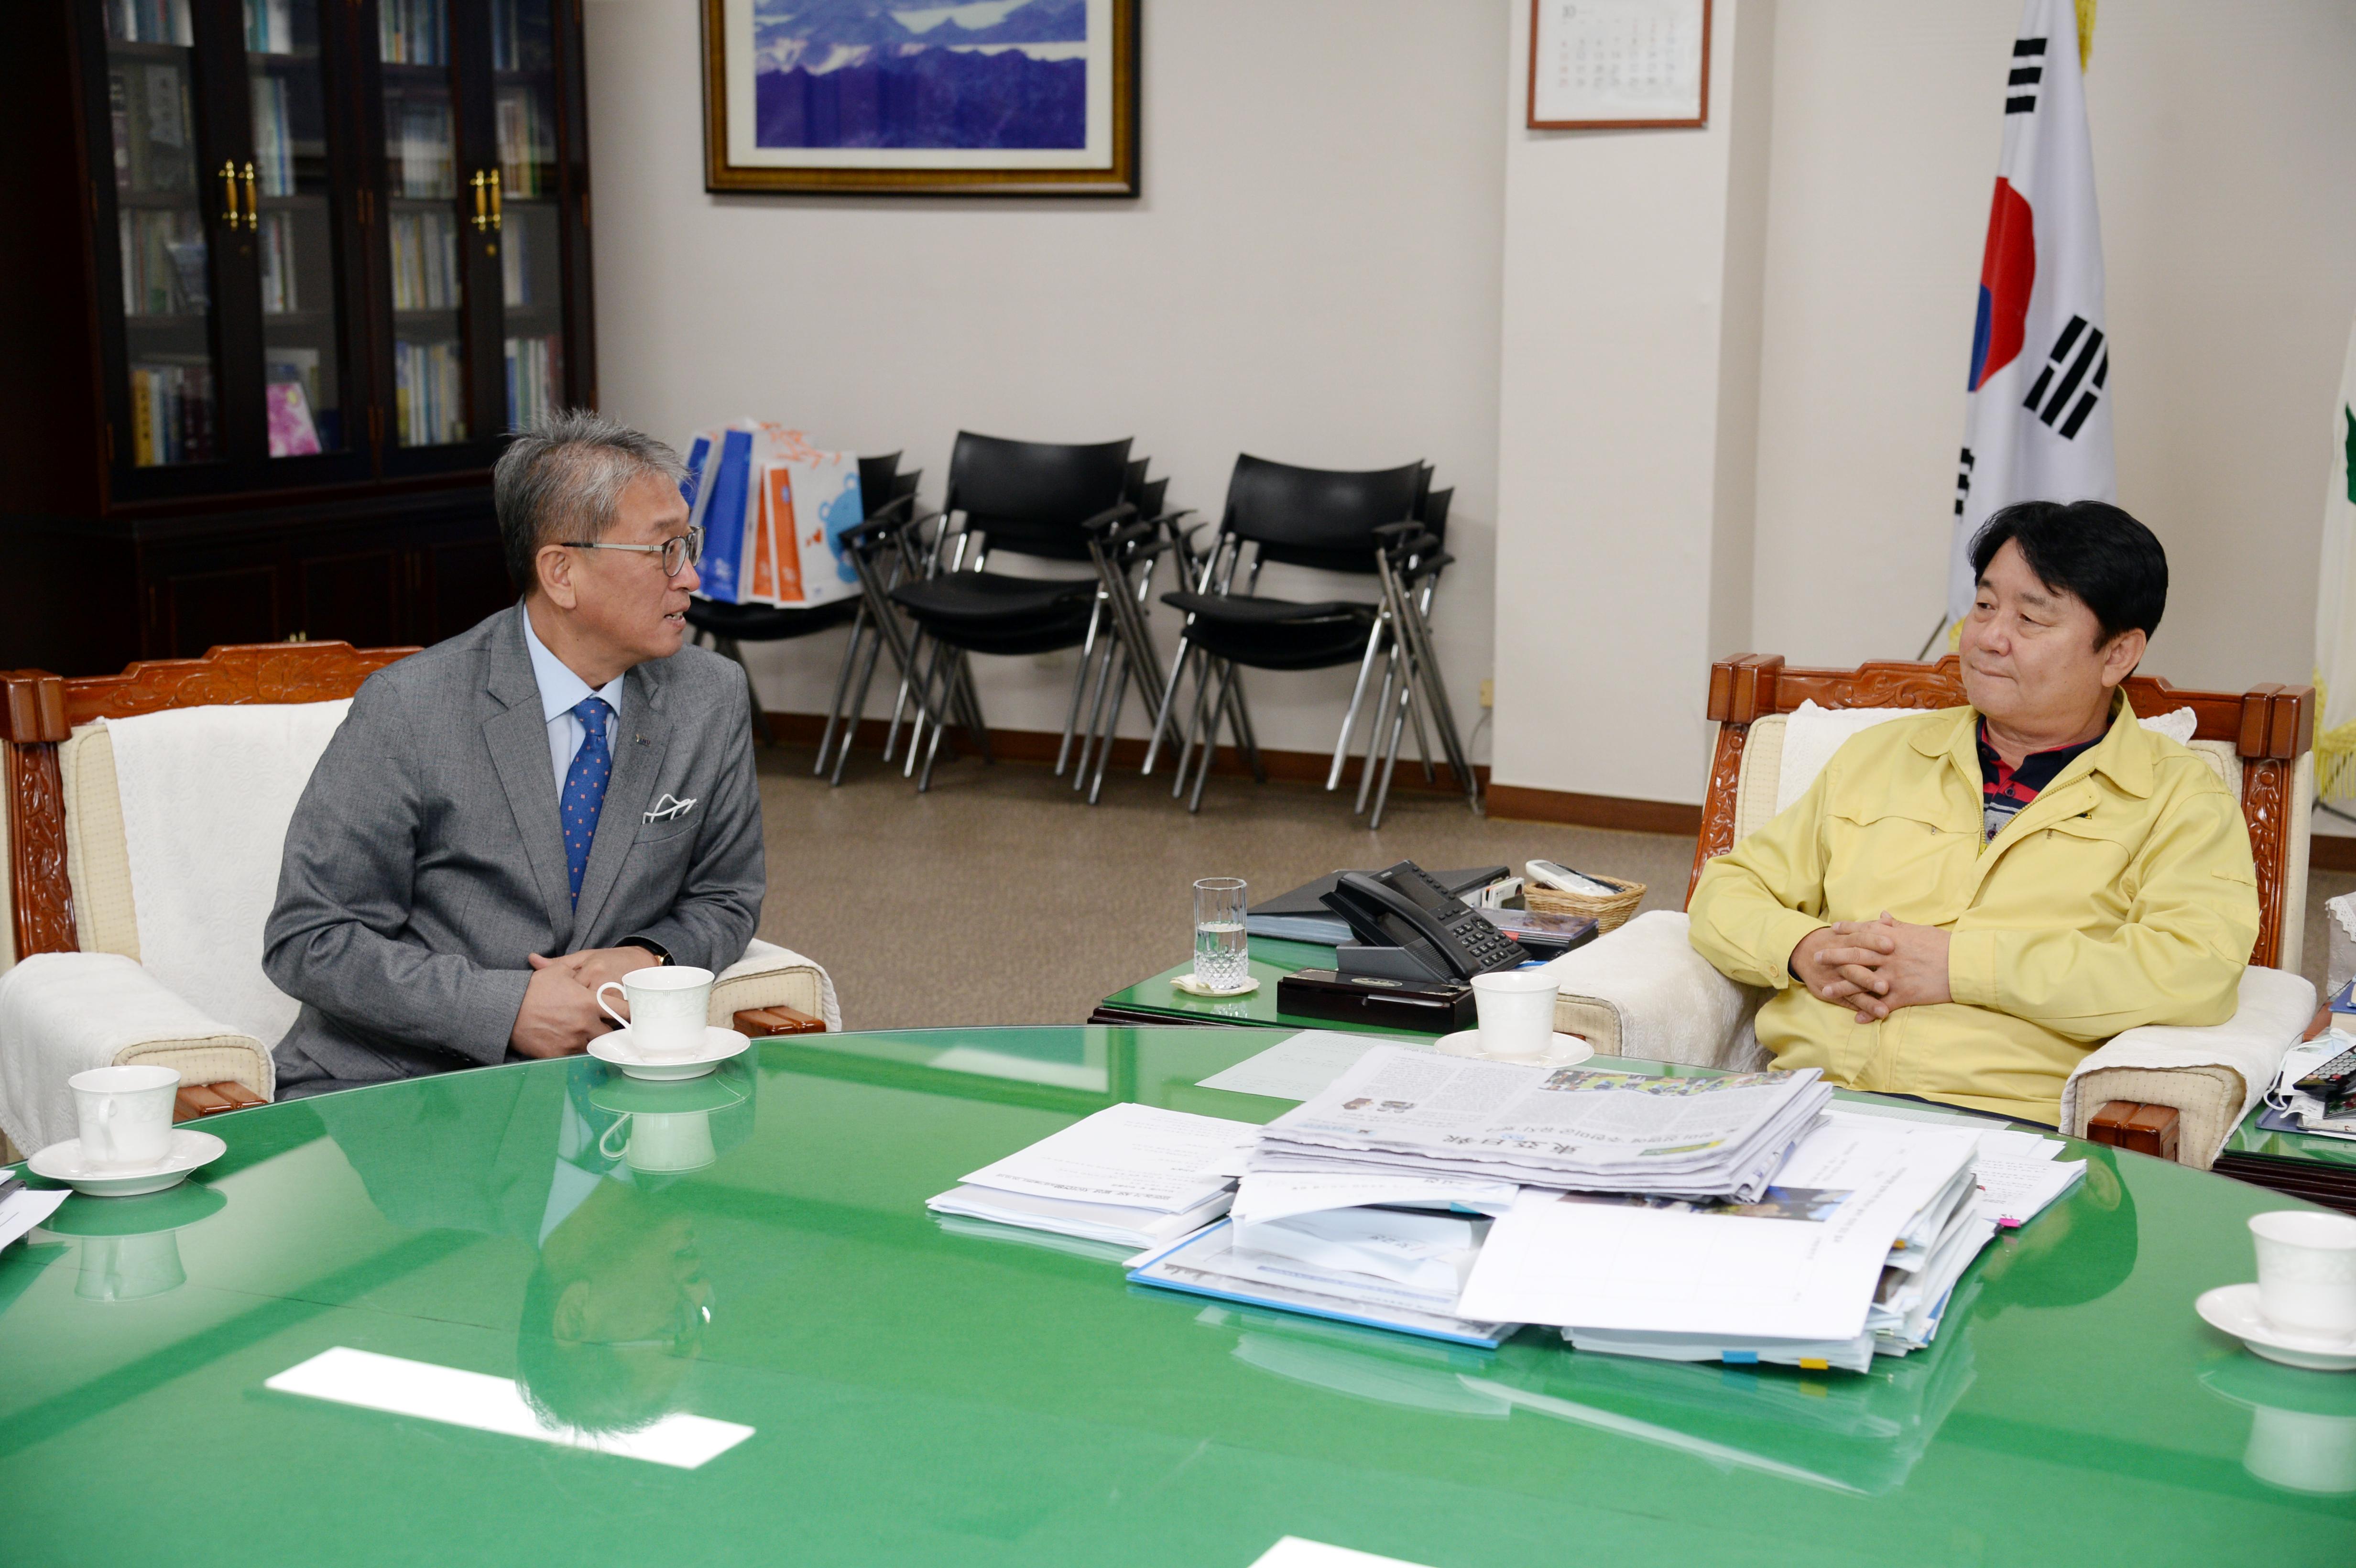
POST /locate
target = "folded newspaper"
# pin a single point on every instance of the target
(1586, 1128)
(1136, 1175)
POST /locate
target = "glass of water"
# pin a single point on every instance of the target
(1220, 964)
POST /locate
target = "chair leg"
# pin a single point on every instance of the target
(1072, 711)
(1239, 721)
(1112, 727)
(1098, 677)
(1390, 754)
(858, 710)
(1357, 698)
(1375, 733)
(1207, 672)
(842, 688)
(1210, 737)
(921, 686)
(1162, 714)
(1423, 744)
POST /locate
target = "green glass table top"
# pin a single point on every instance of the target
(1271, 960)
(745, 1272)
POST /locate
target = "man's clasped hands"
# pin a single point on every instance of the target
(1875, 967)
(560, 1015)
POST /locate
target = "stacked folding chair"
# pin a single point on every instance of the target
(1385, 523)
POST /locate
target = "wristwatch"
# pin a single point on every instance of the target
(662, 954)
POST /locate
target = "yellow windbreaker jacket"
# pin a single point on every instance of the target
(2124, 895)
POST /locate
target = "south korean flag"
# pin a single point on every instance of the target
(2038, 423)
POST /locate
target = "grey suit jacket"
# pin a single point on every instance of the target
(424, 862)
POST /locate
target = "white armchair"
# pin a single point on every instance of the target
(1642, 991)
(134, 919)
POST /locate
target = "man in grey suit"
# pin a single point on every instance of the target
(551, 800)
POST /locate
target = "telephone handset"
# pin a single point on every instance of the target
(1404, 907)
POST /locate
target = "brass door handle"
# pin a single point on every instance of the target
(482, 209)
(497, 211)
(252, 207)
(228, 194)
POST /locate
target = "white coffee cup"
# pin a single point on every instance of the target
(668, 1006)
(1517, 1011)
(125, 1115)
(2307, 1272)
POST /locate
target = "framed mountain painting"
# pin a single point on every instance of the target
(921, 98)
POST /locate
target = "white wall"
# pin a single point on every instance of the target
(1312, 275)
(2223, 137)
(1621, 472)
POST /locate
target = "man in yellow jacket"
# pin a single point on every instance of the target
(1967, 901)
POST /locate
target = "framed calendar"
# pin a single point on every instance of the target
(1619, 64)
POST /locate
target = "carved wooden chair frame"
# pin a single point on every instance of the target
(2271, 728)
(38, 710)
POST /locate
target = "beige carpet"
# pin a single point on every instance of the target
(1002, 898)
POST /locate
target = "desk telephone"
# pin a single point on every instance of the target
(1404, 907)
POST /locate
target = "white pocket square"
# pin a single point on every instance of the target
(670, 807)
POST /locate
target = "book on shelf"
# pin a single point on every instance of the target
(515, 267)
(286, 362)
(420, 148)
(292, 432)
(151, 22)
(270, 26)
(171, 413)
(429, 393)
(163, 261)
(413, 32)
(273, 145)
(527, 142)
(150, 112)
(425, 260)
(534, 367)
(519, 34)
(279, 294)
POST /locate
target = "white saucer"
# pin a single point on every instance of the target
(1567, 1049)
(1193, 987)
(2234, 1309)
(187, 1150)
(719, 1045)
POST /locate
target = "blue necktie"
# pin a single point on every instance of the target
(584, 789)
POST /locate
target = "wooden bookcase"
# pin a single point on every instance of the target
(279, 274)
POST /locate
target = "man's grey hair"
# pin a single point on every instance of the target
(563, 478)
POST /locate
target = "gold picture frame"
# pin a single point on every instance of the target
(736, 160)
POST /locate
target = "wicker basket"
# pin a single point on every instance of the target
(1609, 914)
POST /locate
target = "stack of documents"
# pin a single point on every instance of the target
(2290, 1111)
(1130, 1174)
(1800, 1272)
(1400, 1111)
(21, 1208)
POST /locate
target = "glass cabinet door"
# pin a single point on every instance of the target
(422, 219)
(524, 188)
(162, 180)
(293, 228)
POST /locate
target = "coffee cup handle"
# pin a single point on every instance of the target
(609, 1012)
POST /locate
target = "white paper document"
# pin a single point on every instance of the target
(1121, 1224)
(1300, 1068)
(1279, 1195)
(1591, 1127)
(1136, 1157)
(2015, 1191)
(1427, 1253)
(1802, 1263)
(1207, 1263)
(25, 1209)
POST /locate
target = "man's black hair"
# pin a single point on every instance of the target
(2090, 548)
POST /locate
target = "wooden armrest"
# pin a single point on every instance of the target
(2318, 1024)
(2146, 1130)
(212, 1099)
(761, 1023)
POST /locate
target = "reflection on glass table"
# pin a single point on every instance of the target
(2302, 1424)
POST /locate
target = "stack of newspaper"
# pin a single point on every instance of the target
(1854, 1248)
(1596, 1130)
(1130, 1173)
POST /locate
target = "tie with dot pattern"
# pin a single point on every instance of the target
(585, 788)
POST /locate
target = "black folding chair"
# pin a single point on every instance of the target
(729, 626)
(1314, 517)
(1046, 500)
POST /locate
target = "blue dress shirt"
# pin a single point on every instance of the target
(560, 692)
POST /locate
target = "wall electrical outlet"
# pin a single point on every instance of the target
(1489, 693)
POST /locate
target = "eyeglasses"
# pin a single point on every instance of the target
(679, 552)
